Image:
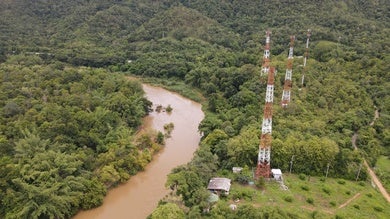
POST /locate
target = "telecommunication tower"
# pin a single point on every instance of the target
(266, 56)
(287, 79)
(306, 55)
(264, 157)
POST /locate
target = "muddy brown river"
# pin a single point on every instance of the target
(139, 196)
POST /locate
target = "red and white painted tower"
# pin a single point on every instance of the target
(306, 56)
(287, 79)
(266, 56)
(264, 157)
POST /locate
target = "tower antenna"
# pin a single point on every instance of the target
(306, 56)
(264, 158)
(287, 79)
(263, 168)
(266, 56)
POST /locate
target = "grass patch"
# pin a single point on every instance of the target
(243, 194)
(383, 163)
(305, 197)
(382, 170)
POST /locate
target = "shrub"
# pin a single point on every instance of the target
(310, 200)
(288, 199)
(378, 208)
(356, 206)
(168, 129)
(242, 179)
(369, 195)
(314, 214)
(348, 192)
(305, 187)
(341, 182)
(247, 195)
(236, 195)
(169, 109)
(225, 172)
(260, 183)
(332, 203)
(160, 138)
(162, 202)
(302, 176)
(326, 190)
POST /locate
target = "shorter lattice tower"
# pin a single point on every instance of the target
(306, 55)
(266, 56)
(287, 79)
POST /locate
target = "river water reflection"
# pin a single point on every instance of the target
(139, 196)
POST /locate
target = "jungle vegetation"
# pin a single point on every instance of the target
(69, 116)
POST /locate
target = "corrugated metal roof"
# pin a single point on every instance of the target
(219, 184)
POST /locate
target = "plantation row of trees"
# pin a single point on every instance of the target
(66, 136)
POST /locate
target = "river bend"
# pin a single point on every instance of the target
(137, 198)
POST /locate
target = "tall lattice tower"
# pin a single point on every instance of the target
(263, 162)
(264, 158)
(287, 79)
(306, 55)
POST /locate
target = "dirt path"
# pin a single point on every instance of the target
(376, 116)
(377, 182)
(374, 178)
(354, 138)
(349, 200)
(311, 208)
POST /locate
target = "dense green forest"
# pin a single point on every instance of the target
(67, 135)
(64, 101)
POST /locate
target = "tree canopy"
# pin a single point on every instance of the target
(56, 101)
(67, 135)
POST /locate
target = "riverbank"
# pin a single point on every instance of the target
(140, 195)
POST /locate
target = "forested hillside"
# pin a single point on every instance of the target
(56, 102)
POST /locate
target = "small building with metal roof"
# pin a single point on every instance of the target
(277, 174)
(219, 185)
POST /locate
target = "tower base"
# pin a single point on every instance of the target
(263, 170)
